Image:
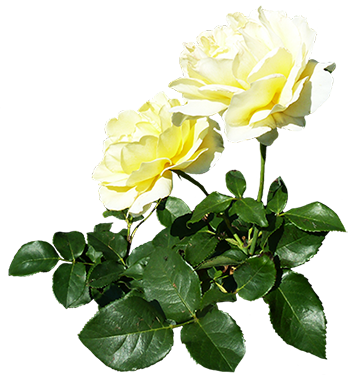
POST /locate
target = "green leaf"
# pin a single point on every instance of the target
(255, 277)
(277, 196)
(170, 209)
(214, 202)
(173, 283)
(165, 239)
(69, 283)
(182, 228)
(113, 245)
(269, 190)
(121, 215)
(109, 294)
(84, 299)
(236, 183)
(69, 244)
(103, 227)
(105, 273)
(198, 247)
(138, 259)
(296, 246)
(33, 257)
(275, 222)
(214, 295)
(128, 334)
(250, 211)
(95, 256)
(315, 217)
(215, 341)
(297, 314)
(228, 258)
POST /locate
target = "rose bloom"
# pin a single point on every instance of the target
(256, 73)
(142, 149)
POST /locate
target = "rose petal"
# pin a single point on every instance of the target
(159, 189)
(315, 91)
(124, 124)
(277, 61)
(260, 95)
(147, 171)
(117, 198)
(243, 133)
(169, 142)
(133, 154)
(200, 108)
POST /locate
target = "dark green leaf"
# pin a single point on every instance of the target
(112, 245)
(198, 247)
(269, 190)
(297, 314)
(250, 210)
(275, 223)
(69, 283)
(165, 239)
(214, 202)
(236, 183)
(121, 215)
(228, 258)
(215, 341)
(277, 196)
(173, 283)
(170, 209)
(296, 246)
(109, 294)
(128, 334)
(315, 217)
(105, 273)
(214, 294)
(103, 227)
(69, 244)
(33, 257)
(84, 299)
(138, 259)
(182, 228)
(255, 277)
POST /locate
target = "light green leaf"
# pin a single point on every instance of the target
(255, 277)
(315, 217)
(173, 283)
(214, 202)
(250, 211)
(128, 334)
(69, 244)
(105, 273)
(296, 246)
(277, 196)
(297, 314)
(69, 283)
(33, 257)
(170, 209)
(215, 341)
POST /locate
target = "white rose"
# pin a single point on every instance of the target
(256, 73)
(142, 149)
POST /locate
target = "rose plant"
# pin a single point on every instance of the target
(259, 76)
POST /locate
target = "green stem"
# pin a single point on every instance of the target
(74, 261)
(192, 180)
(263, 150)
(143, 221)
(184, 323)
